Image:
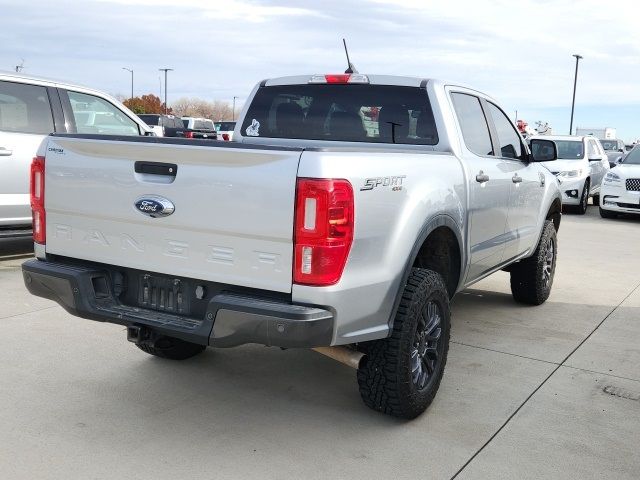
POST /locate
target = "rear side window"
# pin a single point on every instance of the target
(351, 113)
(96, 115)
(25, 109)
(510, 144)
(475, 130)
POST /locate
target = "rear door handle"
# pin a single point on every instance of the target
(482, 177)
(5, 153)
(516, 179)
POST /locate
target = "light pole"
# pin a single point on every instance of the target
(233, 113)
(573, 102)
(131, 72)
(165, 70)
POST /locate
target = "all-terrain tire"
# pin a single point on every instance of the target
(529, 282)
(171, 348)
(388, 377)
(607, 213)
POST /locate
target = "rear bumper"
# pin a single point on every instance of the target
(230, 319)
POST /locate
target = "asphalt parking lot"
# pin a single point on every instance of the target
(529, 392)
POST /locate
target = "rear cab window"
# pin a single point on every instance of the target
(351, 113)
(225, 126)
(25, 109)
(151, 120)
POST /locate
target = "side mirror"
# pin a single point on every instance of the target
(621, 150)
(543, 150)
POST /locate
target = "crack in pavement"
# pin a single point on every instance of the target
(27, 313)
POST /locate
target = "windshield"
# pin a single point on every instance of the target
(349, 113)
(609, 144)
(570, 149)
(633, 157)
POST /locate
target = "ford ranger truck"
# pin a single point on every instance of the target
(345, 214)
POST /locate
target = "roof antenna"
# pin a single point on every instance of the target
(350, 67)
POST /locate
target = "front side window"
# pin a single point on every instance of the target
(510, 144)
(475, 130)
(347, 113)
(96, 115)
(25, 109)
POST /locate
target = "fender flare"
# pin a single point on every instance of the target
(439, 220)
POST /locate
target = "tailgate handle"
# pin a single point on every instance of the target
(157, 168)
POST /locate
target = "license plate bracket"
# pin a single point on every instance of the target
(164, 294)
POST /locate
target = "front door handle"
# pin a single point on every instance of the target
(482, 177)
(516, 179)
(5, 153)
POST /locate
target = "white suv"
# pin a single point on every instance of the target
(30, 109)
(580, 167)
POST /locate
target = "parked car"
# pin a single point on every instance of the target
(614, 149)
(580, 167)
(621, 187)
(164, 125)
(199, 128)
(308, 230)
(225, 130)
(30, 109)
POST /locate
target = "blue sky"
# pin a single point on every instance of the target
(517, 51)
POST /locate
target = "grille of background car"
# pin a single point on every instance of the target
(633, 184)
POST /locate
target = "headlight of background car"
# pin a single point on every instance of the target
(611, 177)
(570, 173)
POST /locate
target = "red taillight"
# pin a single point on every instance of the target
(225, 137)
(37, 200)
(188, 134)
(323, 230)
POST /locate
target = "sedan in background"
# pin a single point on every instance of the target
(621, 187)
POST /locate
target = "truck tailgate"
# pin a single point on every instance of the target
(233, 217)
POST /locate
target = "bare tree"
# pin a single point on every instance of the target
(196, 107)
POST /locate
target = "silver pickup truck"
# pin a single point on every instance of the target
(346, 213)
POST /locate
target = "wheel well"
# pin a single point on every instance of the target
(440, 252)
(555, 213)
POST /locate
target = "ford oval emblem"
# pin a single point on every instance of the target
(154, 206)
